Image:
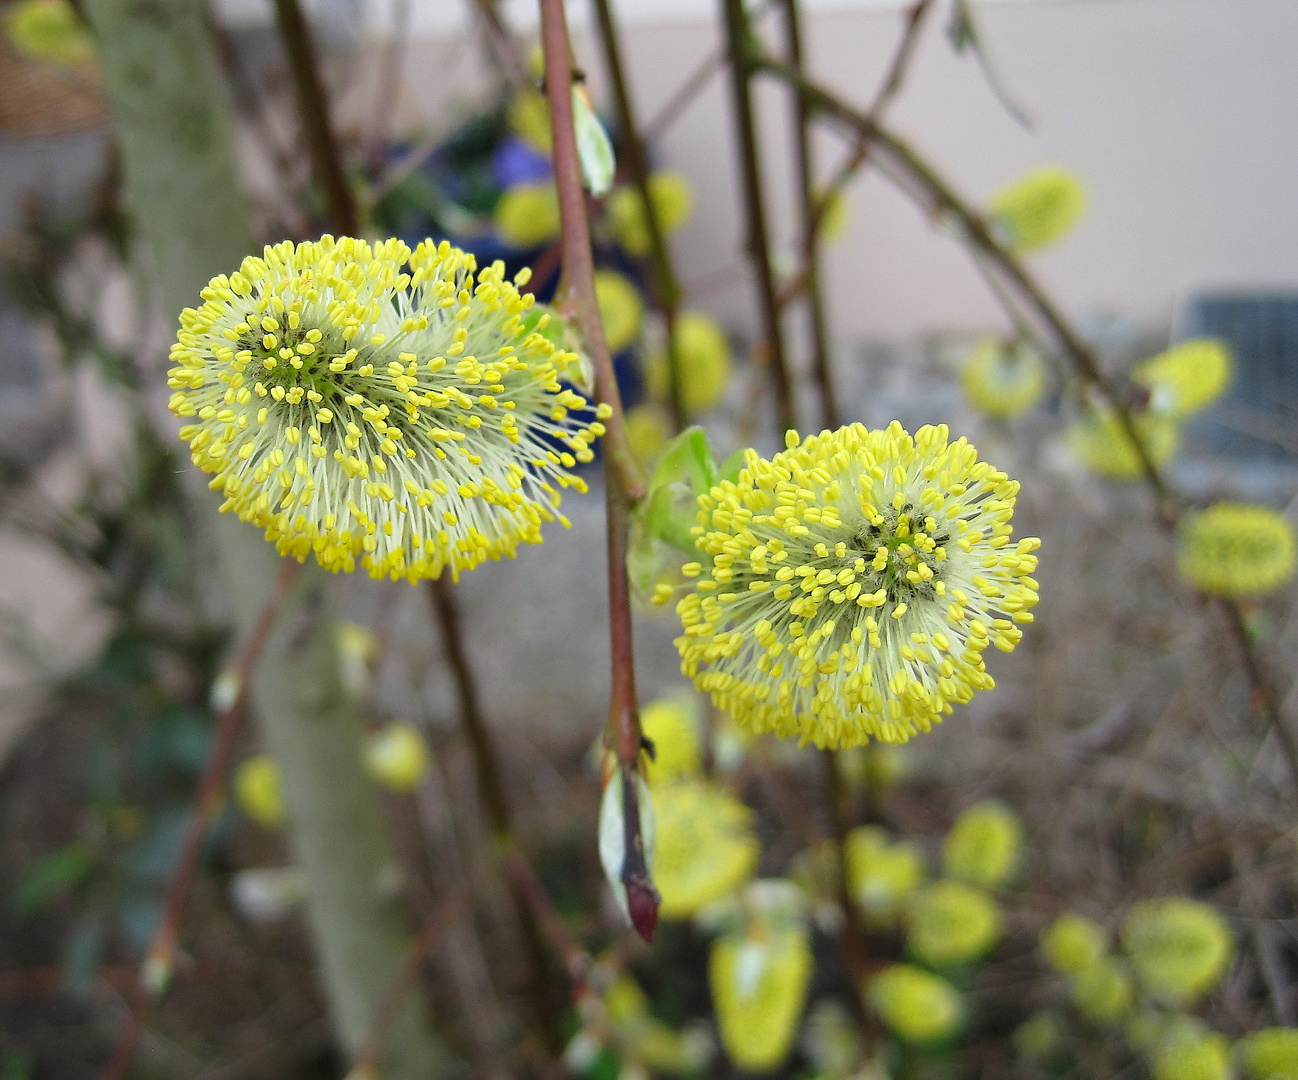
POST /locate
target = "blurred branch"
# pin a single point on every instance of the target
(811, 213)
(624, 479)
(365, 1064)
(313, 106)
(504, 53)
(694, 84)
(745, 51)
(667, 290)
(860, 155)
(490, 783)
(156, 969)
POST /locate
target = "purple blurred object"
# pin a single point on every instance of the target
(516, 162)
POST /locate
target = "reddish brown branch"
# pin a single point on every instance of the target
(624, 477)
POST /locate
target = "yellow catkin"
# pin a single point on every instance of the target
(1004, 379)
(1235, 549)
(705, 847)
(1039, 208)
(848, 587)
(1187, 377)
(381, 407)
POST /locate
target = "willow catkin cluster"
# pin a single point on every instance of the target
(376, 404)
(852, 583)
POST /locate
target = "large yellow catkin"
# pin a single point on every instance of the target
(848, 587)
(381, 407)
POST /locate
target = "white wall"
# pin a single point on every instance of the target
(1181, 115)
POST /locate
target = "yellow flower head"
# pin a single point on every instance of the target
(1102, 990)
(1073, 943)
(1038, 208)
(671, 724)
(984, 845)
(852, 583)
(673, 202)
(950, 924)
(1271, 1054)
(1186, 377)
(397, 756)
(529, 119)
(881, 875)
(527, 215)
(703, 355)
(1103, 446)
(704, 847)
(1232, 549)
(49, 30)
(648, 430)
(355, 409)
(620, 308)
(1003, 379)
(1191, 1052)
(257, 790)
(1179, 947)
(759, 988)
(357, 647)
(916, 1005)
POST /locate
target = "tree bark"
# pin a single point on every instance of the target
(181, 183)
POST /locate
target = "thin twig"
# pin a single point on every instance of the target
(158, 964)
(666, 287)
(577, 961)
(860, 155)
(743, 52)
(853, 935)
(504, 53)
(624, 478)
(490, 781)
(693, 85)
(390, 76)
(810, 217)
(367, 1059)
(313, 107)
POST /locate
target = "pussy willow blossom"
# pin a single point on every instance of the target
(376, 403)
(852, 583)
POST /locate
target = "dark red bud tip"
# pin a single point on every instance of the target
(642, 902)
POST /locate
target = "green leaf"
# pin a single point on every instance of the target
(730, 468)
(594, 149)
(56, 872)
(687, 455)
(669, 516)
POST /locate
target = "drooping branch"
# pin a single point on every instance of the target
(918, 178)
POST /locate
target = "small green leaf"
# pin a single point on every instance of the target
(730, 468)
(60, 870)
(687, 455)
(669, 516)
(594, 149)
